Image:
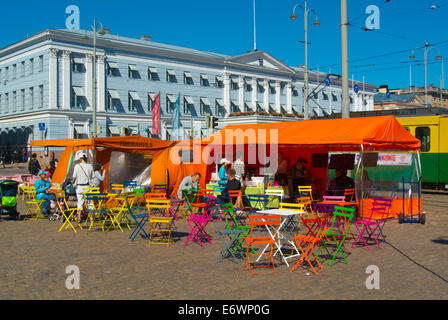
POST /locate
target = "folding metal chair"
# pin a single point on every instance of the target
(307, 244)
(253, 240)
(258, 201)
(67, 212)
(337, 233)
(140, 220)
(231, 238)
(349, 195)
(159, 187)
(118, 213)
(33, 205)
(381, 207)
(290, 225)
(117, 188)
(198, 223)
(306, 191)
(273, 195)
(97, 210)
(160, 230)
(129, 186)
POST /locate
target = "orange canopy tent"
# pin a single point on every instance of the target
(162, 166)
(373, 133)
(336, 135)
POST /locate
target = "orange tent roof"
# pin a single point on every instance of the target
(373, 133)
(135, 144)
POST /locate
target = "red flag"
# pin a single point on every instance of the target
(156, 115)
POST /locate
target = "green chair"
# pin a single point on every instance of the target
(340, 226)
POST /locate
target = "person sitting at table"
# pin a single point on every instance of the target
(222, 173)
(232, 184)
(342, 181)
(189, 182)
(42, 186)
(281, 175)
(299, 174)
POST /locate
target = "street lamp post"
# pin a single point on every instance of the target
(426, 50)
(101, 32)
(345, 107)
(305, 76)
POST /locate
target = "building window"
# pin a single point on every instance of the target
(153, 74)
(325, 96)
(6, 102)
(151, 97)
(188, 105)
(31, 65)
(112, 69)
(424, 135)
(170, 101)
(77, 97)
(260, 87)
(133, 71)
(334, 97)
(22, 102)
(14, 101)
(41, 96)
(31, 98)
(113, 99)
(219, 82)
(234, 107)
(204, 106)
(133, 100)
(188, 79)
(219, 107)
(78, 65)
(282, 89)
(272, 88)
(247, 85)
(234, 84)
(41, 63)
(6, 73)
(247, 107)
(351, 100)
(14, 71)
(170, 76)
(204, 80)
(23, 68)
(316, 95)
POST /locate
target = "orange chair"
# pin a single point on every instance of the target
(271, 222)
(307, 243)
(200, 203)
(349, 195)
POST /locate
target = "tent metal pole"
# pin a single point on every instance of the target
(361, 156)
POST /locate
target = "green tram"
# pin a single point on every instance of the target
(430, 126)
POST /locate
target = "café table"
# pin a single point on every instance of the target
(282, 237)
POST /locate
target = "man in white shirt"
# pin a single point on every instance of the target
(189, 182)
(238, 166)
(82, 176)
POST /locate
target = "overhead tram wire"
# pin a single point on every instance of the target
(387, 54)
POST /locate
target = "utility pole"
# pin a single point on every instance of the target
(345, 108)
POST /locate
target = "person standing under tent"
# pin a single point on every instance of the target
(238, 166)
(222, 173)
(82, 177)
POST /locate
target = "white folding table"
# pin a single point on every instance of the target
(281, 237)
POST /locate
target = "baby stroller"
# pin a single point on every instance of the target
(8, 197)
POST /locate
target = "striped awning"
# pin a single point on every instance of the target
(112, 65)
(134, 95)
(114, 94)
(133, 67)
(189, 100)
(79, 91)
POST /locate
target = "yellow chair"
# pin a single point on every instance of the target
(25, 190)
(306, 201)
(119, 210)
(160, 230)
(67, 212)
(158, 207)
(308, 190)
(33, 206)
(117, 188)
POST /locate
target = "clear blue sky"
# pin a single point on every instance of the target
(227, 27)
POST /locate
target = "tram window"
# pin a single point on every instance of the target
(407, 128)
(424, 135)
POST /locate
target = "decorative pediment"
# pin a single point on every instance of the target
(261, 59)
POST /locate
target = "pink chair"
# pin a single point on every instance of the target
(380, 206)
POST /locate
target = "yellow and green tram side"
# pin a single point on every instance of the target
(432, 131)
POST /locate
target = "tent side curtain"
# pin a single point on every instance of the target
(373, 133)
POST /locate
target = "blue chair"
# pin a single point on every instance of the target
(257, 201)
(140, 220)
(97, 209)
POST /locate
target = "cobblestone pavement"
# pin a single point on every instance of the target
(34, 257)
